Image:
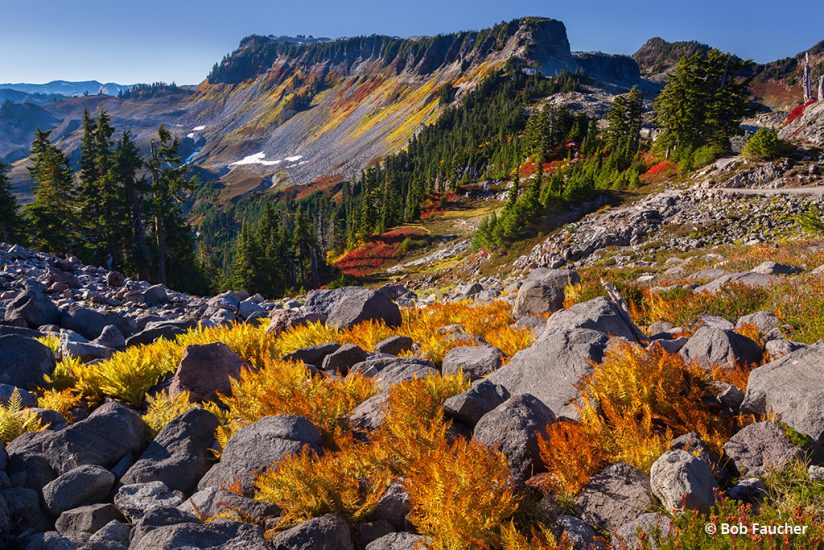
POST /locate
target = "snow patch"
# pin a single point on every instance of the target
(198, 128)
(258, 158)
(190, 135)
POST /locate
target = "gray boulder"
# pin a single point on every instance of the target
(551, 368)
(393, 507)
(179, 455)
(772, 268)
(24, 361)
(206, 370)
(149, 335)
(712, 346)
(32, 308)
(468, 407)
(343, 358)
(86, 519)
(599, 314)
(156, 295)
(681, 480)
(757, 448)
(253, 448)
(793, 388)
(750, 490)
(24, 511)
(391, 370)
(284, 319)
(654, 527)
(111, 337)
(536, 297)
(578, 532)
(112, 536)
(768, 325)
(84, 485)
(213, 501)
(84, 321)
(313, 355)
(370, 414)
(515, 426)
(224, 535)
(85, 351)
(474, 361)
(327, 532)
(394, 345)
(397, 541)
(111, 432)
(750, 279)
(135, 500)
(357, 305)
(614, 496)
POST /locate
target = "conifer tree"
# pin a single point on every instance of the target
(51, 217)
(9, 218)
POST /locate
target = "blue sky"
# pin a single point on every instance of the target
(150, 40)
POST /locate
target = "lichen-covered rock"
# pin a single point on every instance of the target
(680, 480)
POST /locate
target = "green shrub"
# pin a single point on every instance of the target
(764, 144)
(706, 155)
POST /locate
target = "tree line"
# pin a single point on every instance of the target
(118, 209)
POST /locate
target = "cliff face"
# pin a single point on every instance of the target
(342, 104)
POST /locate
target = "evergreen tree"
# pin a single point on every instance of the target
(51, 217)
(173, 242)
(304, 250)
(9, 218)
(703, 102)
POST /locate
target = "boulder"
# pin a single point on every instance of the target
(111, 337)
(84, 321)
(393, 507)
(213, 501)
(681, 480)
(24, 361)
(753, 280)
(551, 368)
(159, 517)
(468, 407)
(136, 499)
(155, 295)
(772, 268)
(206, 370)
(757, 448)
(536, 297)
(397, 541)
(328, 532)
(793, 388)
(86, 519)
(343, 358)
(388, 370)
(149, 335)
(614, 496)
(85, 351)
(112, 536)
(474, 361)
(750, 490)
(357, 305)
(370, 414)
(768, 325)
(313, 355)
(578, 532)
(179, 455)
(599, 314)
(515, 426)
(223, 535)
(283, 319)
(111, 432)
(253, 448)
(24, 511)
(654, 526)
(84, 485)
(394, 345)
(712, 346)
(32, 308)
